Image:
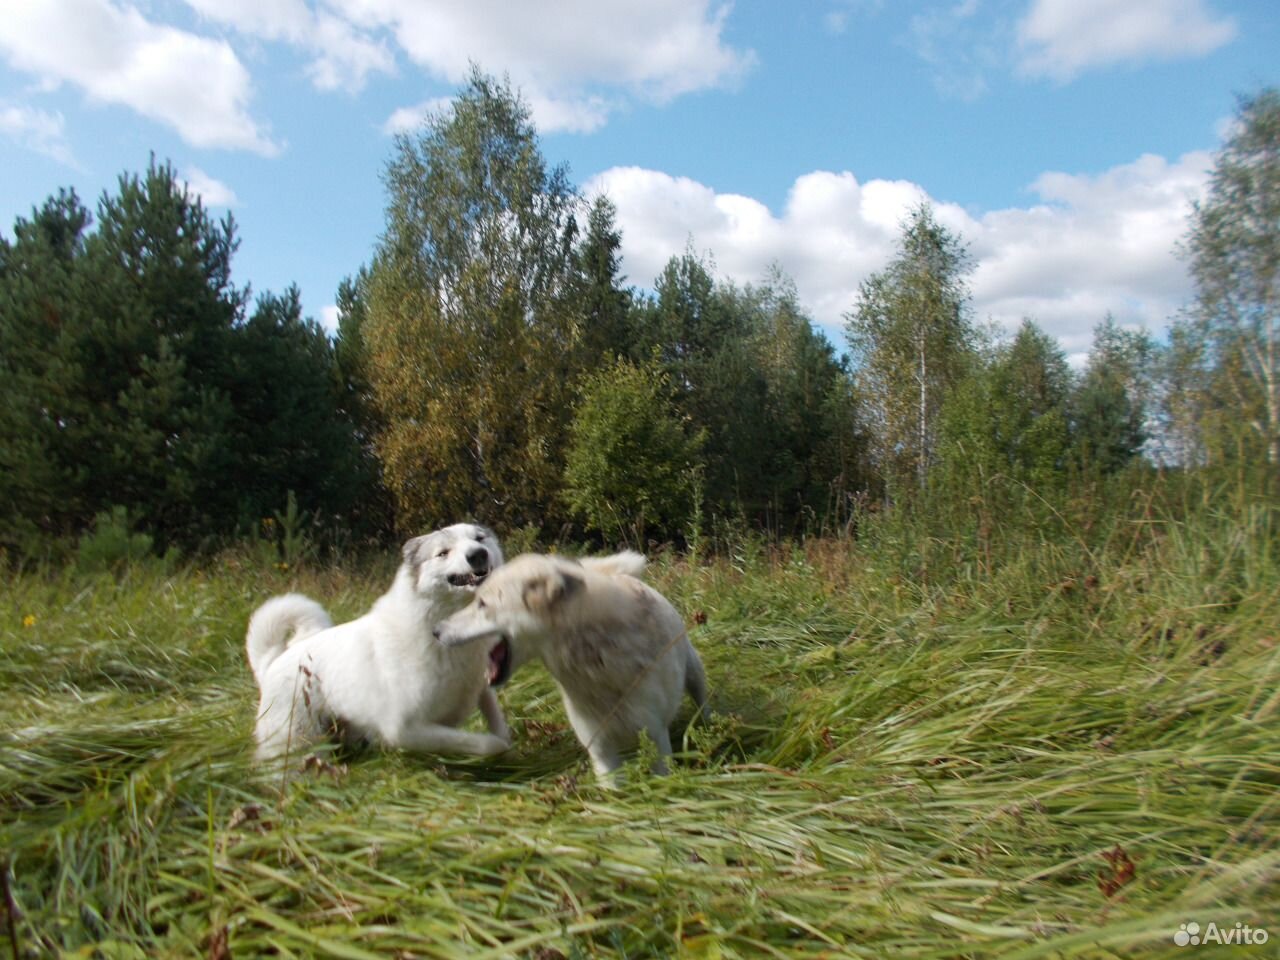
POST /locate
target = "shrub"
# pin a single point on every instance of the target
(632, 464)
(111, 545)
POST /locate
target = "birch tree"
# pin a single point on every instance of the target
(470, 337)
(1231, 336)
(911, 341)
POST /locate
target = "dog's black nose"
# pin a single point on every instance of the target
(478, 560)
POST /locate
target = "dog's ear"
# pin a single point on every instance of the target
(412, 553)
(546, 592)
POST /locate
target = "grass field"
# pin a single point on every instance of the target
(1068, 753)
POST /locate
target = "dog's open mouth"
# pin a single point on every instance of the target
(469, 580)
(499, 668)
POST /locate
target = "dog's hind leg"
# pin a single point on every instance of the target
(661, 738)
(605, 760)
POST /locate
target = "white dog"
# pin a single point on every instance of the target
(616, 647)
(382, 678)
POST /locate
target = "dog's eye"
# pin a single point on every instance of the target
(441, 554)
(479, 538)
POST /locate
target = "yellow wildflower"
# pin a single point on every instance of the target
(29, 620)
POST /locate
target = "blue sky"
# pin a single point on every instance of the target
(1064, 140)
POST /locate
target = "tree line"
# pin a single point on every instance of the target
(492, 362)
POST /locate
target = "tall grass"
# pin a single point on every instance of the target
(1053, 749)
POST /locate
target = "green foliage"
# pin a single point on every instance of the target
(780, 416)
(596, 290)
(284, 540)
(472, 345)
(704, 345)
(112, 545)
(1111, 403)
(912, 342)
(134, 380)
(41, 312)
(294, 438)
(632, 459)
(1227, 349)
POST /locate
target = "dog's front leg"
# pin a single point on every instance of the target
(491, 709)
(435, 738)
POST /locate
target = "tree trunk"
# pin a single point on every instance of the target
(920, 454)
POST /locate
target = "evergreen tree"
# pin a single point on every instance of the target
(134, 385)
(43, 417)
(802, 443)
(292, 434)
(597, 293)
(1109, 406)
(705, 343)
(1007, 422)
(157, 356)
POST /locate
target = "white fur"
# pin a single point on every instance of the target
(616, 647)
(382, 678)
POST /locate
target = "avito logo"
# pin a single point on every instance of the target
(1190, 934)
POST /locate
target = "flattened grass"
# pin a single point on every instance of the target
(1068, 756)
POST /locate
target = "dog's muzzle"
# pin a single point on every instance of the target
(478, 561)
(499, 669)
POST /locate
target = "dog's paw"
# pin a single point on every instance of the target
(491, 746)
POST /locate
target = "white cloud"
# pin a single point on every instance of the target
(1092, 245)
(344, 55)
(409, 119)
(38, 130)
(576, 61)
(212, 192)
(1062, 38)
(329, 316)
(193, 84)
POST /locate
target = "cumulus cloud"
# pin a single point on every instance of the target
(343, 55)
(1062, 38)
(409, 119)
(549, 116)
(212, 192)
(1091, 245)
(38, 130)
(195, 85)
(575, 60)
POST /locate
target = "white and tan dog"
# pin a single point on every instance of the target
(616, 647)
(382, 678)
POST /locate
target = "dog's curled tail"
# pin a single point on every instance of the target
(279, 622)
(627, 562)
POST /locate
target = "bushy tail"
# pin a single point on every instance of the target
(279, 622)
(628, 563)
